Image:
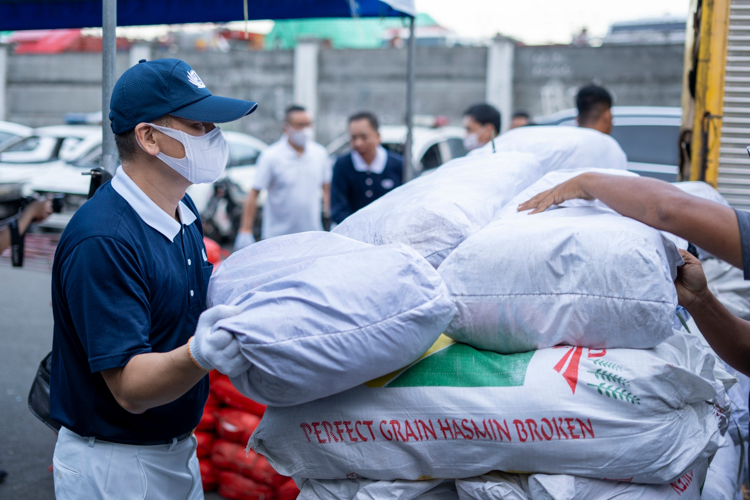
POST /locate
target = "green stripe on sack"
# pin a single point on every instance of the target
(459, 365)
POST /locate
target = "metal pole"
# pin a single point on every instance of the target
(109, 71)
(408, 171)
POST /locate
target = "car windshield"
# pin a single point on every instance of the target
(38, 149)
(241, 155)
(649, 143)
(6, 136)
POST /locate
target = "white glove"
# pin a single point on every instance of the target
(243, 240)
(218, 349)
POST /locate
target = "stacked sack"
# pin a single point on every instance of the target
(560, 358)
(229, 418)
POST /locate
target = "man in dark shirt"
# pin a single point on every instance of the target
(131, 349)
(718, 229)
(365, 174)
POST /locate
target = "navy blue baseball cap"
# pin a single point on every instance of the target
(152, 89)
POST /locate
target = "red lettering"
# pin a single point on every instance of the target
(416, 426)
(593, 354)
(501, 431)
(430, 429)
(329, 432)
(551, 431)
(307, 430)
(349, 430)
(316, 431)
(447, 427)
(389, 437)
(339, 430)
(520, 429)
(356, 428)
(484, 435)
(467, 428)
(397, 430)
(368, 423)
(572, 429)
(585, 428)
(457, 430)
(532, 430)
(561, 429)
(409, 431)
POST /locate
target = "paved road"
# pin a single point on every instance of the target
(26, 445)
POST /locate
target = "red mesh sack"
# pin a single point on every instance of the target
(236, 425)
(208, 476)
(208, 420)
(287, 491)
(236, 487)
(215, 375)
(262, 472)
(205, 443)
(224, 453)
(212, 401)
(227, 394)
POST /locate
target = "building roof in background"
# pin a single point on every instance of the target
(344, 33)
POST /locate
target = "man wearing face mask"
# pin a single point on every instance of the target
(132, 346)
(482, 124)
(296, 172)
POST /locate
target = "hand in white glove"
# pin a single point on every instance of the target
(243, 240)
(218, 349)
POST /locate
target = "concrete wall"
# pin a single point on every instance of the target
(41, 88)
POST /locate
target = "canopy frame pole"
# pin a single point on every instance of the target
(109, 72)
(408, 172)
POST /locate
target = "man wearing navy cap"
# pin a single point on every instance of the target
(131, 348)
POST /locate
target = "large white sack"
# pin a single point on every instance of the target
(580, 276)
(728, 284)
(500, 486)
(436, 212)
(365, 489)
(561, 148)
(723, 481)
(702, 190)
(323, 313)
(632, 414)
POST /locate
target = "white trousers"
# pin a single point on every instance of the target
(90, 469)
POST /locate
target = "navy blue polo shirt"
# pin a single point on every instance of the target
(127, 279)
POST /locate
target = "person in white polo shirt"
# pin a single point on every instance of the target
(296, 172)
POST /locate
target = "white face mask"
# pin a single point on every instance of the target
(205, 156)
(300, 137)
(471, 141)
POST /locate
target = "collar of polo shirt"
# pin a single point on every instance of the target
(149, 211)
(378, 164)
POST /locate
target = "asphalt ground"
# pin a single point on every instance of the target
(26, 445)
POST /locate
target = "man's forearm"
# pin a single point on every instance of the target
(153, 379)
(248, 212)
(727, 334)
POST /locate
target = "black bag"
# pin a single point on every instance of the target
(39, 394)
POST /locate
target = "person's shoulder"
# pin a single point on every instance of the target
(317, 149)
(394, 157)
(344, 161)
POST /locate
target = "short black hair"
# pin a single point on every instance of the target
(127, 145)
(485, 113)
(521, 114)
(292, 109)
(365, 115)
(591, 101)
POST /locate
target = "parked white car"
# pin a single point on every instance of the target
(431, 147)
(649, 135)
(12, 132)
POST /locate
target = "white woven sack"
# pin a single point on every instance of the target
(436, 212)
(499, 486)
(579, 276)
(323, 313)
(561, 148)
(723, 481)
(364, 489)
(646, 416)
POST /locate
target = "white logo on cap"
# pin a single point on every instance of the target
(195, 79)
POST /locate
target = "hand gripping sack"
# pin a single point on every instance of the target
(324, 313)
(647, 416)
(561, 148)
(578, 276)
(436, 212)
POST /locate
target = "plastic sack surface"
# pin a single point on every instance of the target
(436, 212)
(236, 425)
(324, 313)
(560, 148)
(723, 480)
(233, 486)
(363, 489)
(580, 276)
(647, 416)
(728, 284)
